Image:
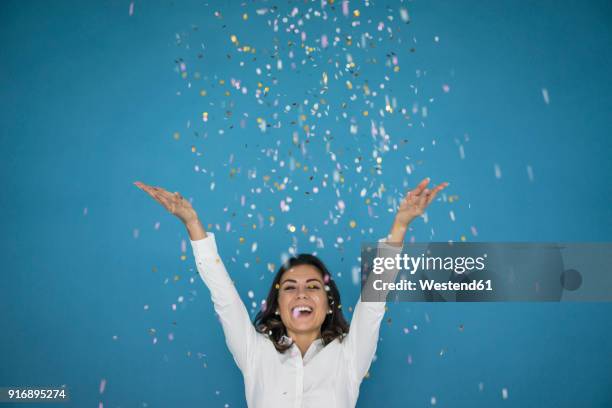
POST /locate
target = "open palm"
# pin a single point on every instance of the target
(416, 201)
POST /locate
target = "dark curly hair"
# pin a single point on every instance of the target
(268, 323)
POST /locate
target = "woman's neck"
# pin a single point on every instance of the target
(304, 340)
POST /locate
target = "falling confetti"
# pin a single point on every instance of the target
(497, 169)
(545, 96)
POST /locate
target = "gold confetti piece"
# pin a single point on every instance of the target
(277, 286)
(352, 224)
(396, 68)
(154, 269)
(349, 85)
(241, 240)
(356, 13)
(379, 160)
(176, 135)
(463, 238)
(183, 257)
(245, 16)
(365, 113)
(193, 149)
(203, 92)
(233, 38)
(291, 228)
(177, 277)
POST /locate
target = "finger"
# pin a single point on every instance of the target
(167, 201)
(435, 191)
(422, 199)
(420, 187)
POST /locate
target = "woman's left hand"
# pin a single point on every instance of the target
(416, 201)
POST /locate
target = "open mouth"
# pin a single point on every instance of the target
(301, 311)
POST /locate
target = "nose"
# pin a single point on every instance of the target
(301, 292)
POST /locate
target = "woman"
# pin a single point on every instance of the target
(300, 352)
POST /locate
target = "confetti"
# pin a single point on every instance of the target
(497, 169)
(545, 96)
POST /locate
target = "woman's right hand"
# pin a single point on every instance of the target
(174, 203)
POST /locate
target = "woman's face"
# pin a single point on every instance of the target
(302, 299)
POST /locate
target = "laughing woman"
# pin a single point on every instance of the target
(300, 351)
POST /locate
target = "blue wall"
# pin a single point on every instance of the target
(92, 98)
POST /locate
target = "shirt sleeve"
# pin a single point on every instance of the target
(240, 334)
(361, 341)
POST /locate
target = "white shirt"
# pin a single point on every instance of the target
(327, 376)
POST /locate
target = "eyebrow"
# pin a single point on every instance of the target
(294, 281)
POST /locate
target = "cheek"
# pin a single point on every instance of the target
(321, 301)
(283, 300)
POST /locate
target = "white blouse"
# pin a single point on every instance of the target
(327, 376)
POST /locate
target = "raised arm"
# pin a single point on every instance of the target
(240, 334)
(360, 344)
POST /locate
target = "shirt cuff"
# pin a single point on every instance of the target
(205, 247)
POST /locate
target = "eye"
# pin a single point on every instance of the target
(288, 288)
(311, 286)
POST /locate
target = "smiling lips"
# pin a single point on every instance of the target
(299, 311)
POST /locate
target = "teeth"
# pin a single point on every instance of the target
(302, 308)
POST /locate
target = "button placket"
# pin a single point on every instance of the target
(299, 377)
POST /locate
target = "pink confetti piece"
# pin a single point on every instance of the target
(324, 42)
(131, 11)
(102, 385)
(100, 405)
(170, 336)
(345, 8)
(446, 88)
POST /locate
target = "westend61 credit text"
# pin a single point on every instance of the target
(458, 265)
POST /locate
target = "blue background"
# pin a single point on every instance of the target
(94, 99)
